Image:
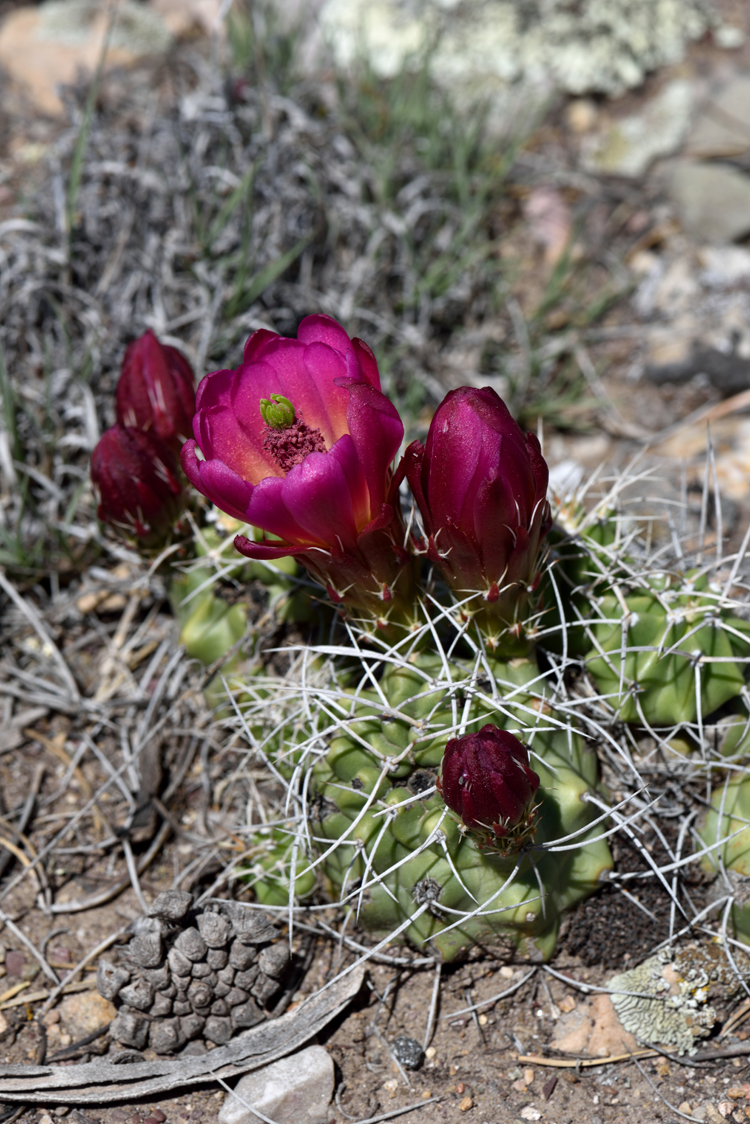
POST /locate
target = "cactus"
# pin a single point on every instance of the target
(667, 650)
(383, 839)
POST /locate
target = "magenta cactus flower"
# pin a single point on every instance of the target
(485, 778)
(139, 484)
(156, 390)
(299, 441)
(480, 484)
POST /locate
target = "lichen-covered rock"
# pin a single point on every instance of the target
(606, 46)
(681, 983)
(190, 975)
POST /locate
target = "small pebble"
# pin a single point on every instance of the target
(466, 1104)
(408, 1052)
(158, 1116)
(14, 962)
(45, 1119)
(118, 1116)
(62, 1110)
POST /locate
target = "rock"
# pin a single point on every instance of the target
(44, 47)
(628, 146)
(84, 1013)
(110, 979)
(728, 372)
(721, 127)
(296, 1090)
(725, 266)
(171, 905)
(581, 115)
(407, 1052)
(15, 962)
(202, 970)
(183, 17)
(588, 46)
(712, 200)
(593, 1028)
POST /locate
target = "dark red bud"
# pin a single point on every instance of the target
(139, 485)
(156, 390)
(485, 778)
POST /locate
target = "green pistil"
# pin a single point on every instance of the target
(277, 412)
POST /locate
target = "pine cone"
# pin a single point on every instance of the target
(190, 975)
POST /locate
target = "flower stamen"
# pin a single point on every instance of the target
(287, 438)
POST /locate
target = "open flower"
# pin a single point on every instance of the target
(156, 390)
(485, 778)
(139, 484)
(480, 484)
(299, 441)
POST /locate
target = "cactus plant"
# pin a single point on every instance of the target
(384, 840)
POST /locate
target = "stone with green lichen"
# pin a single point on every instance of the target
(673, 989)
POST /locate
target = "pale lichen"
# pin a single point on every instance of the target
(669, 994)
(606, 46)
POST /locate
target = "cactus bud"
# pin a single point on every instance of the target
(138, 481)
(156, 391)
(486, 780)
(480, 484)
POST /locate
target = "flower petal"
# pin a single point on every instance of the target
(368, 364)
(323, 329)
(268, 510)
(377, 432)
(217, 482)
(319, 494)
(256, 343)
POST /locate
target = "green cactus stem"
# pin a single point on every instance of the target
(384, 840)
(663, 651)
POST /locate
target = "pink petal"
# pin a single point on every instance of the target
(214, 390)
(268, 510)
(217, 482)
(319, 492)
(323, 329)
(377, 432)
(221, 434)
(256, 343)
(368, 364)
